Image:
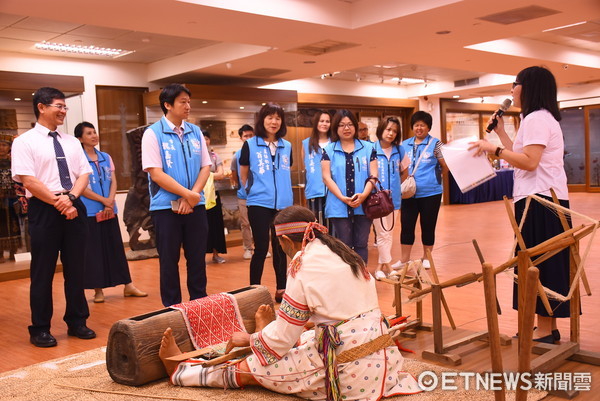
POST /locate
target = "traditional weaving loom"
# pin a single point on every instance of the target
(132, 349)
(529, 288)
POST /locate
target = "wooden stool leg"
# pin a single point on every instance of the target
(526, 335)
(489, 286)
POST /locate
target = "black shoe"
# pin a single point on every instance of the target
(82, 332)
(549, 339)
(556, 334)
(43, 339)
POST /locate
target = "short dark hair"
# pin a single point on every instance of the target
(170, 93)
(79, 128)
(339, 115)
(206, 133)
(422, 116)
(244, 128)
(45, 95)
(267, 110)
(538, 91)
(383, 125)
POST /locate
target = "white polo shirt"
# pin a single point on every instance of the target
(33, 154)
(151, 155)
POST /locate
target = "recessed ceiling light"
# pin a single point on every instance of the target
(17, 99)
(263, 104)
(456, 96)
(204, 101)
(411, 81)
(87, 50)
(242, 107)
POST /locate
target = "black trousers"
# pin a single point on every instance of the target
(172, 231)
(428, 208)
(261, 222)
(50, 233)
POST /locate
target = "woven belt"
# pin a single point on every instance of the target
(365, 349)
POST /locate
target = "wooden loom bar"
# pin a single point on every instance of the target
(443, 298)
(526, 330)
(574, 249)
(491, 311)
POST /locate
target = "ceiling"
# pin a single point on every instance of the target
(470, 47)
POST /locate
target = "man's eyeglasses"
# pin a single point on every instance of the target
(59, 106)
(515, 84)
(343, 126)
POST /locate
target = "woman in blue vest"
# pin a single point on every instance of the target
(390, 162)
(269, 158)
(347, 163)
(105, 262)
(312, 149)
(428, 177)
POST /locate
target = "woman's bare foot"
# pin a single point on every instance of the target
(263, 316)
(168, 348)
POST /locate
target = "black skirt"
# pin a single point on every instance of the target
(541, 224)
(216, 228)
(105, 261)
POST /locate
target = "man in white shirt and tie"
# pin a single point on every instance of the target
(54, 170)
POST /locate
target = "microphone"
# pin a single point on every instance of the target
(503, 107)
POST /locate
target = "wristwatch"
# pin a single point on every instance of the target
(498, 151)
(72, 197)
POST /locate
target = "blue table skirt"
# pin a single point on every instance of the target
(491, 190)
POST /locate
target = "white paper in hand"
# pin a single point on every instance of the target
(468, 170)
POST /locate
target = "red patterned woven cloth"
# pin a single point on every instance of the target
(211, 320)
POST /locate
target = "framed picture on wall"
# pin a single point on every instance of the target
(372, 121)
(216, 129)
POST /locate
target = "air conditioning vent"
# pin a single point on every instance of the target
(323, 47)
(264, 72)
(519, 15)
(466, 82)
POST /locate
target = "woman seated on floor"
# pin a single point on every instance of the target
(329, 284)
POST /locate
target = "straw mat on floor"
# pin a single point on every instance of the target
(43, 381)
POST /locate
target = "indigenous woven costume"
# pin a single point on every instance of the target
(289, 360)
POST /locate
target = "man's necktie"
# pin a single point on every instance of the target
(61, 161)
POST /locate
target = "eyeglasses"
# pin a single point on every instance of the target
(516, 83)
(59, 106)
(363, 129)
(343, 126)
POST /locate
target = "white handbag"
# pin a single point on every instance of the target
(409, 185)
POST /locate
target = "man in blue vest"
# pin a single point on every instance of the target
(175, 156)
(245, 132)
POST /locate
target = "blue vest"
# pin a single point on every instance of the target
(389, 171)
(429, 172)
(181, 159)
(99, 183)
(361, 157)
(272, 181)
(314, 187)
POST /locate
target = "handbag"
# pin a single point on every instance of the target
(409, 185)
(379, 203)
